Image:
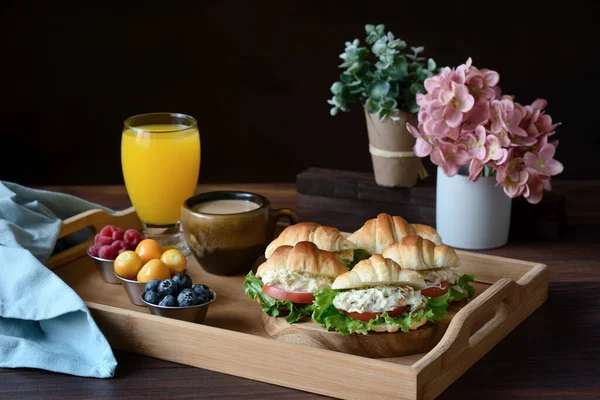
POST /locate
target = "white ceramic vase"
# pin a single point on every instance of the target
(471, 215)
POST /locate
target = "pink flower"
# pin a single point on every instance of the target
(457, 102)
(481, 83)
(475, 169)
(496, 114)
(503, 138)
(535, 187)
(422, 147)
(505, 116)
(535, 121)
(519, 141)
(495, 151)
(479, 150)
(513, 177)
(450, 157)
(479, 115)
(469, 141)
(435, 125)
(543, 163)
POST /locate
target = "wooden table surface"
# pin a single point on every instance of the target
(555, 353)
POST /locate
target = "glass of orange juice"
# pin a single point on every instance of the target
(160, 157)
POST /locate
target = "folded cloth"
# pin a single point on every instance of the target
(44, 324)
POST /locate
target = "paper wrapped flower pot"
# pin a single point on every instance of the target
(390, 145)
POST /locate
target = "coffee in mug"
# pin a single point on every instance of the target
(227, 231)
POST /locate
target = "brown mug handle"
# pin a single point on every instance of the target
(284, 213)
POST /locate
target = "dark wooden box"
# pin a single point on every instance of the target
(350, 198)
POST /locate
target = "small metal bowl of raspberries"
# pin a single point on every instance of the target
(178, 298)
(108, 244)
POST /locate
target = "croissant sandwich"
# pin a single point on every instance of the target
(378, 233)
(325, 237)
(286, 282)
(435, 264)
(376, 295)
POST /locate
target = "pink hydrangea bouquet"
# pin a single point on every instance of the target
(465, 119)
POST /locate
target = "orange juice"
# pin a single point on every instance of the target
(160, 165)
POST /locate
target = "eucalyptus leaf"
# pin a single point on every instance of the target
(379, 89)
(399, 70)
(337, 88)
(371, 106)
(416, 88)
(431, 64)
(389, 104)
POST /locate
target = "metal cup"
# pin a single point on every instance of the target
(194, 314)
(134, 289)
(106, 269)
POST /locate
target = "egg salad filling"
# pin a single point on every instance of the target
(295, 281)
(435, 276)
(460, 287)
(330, 307)
(379, 299)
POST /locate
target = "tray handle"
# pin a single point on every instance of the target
(94, 220)
(500, 300)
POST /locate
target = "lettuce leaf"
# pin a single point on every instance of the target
(359, 255)
(462, 290)
(272, 306)
(326, 315)
(437, 307)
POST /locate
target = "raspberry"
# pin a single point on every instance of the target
(108, 252)
(93, 250)
(100, 240)
(117, 234)
(107, 231)
(120, 245)
(133, 238)
(122, 250)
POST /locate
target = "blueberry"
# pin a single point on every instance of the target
(203, 292)
(168, 301)
(151, 297)
(183, 281)
(167, 287)
(187, 298)
(152, 286)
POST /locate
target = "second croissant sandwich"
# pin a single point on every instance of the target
(376, 295)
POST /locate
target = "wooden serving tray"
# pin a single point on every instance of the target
(233, 341)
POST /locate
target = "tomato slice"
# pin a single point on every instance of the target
(367, 316)
(294, 297)
(436, 291)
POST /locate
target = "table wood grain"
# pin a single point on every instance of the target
(553, 354)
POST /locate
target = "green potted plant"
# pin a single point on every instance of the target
(385, 78)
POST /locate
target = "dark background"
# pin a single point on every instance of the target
(257, 74)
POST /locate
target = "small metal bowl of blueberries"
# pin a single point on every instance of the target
(178, 298)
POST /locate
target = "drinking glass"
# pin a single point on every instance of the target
(160, 158)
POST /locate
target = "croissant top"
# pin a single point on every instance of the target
(378, 233)
(325, 237)
(303, 257)
(414, 252)
(376, 271)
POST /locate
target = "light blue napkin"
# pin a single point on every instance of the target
(44, 324)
